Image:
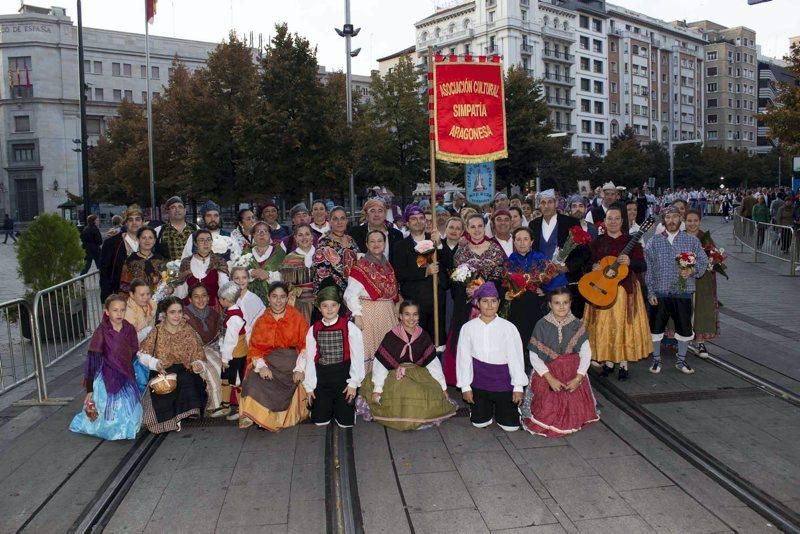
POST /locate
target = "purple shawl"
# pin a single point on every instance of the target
(111, 353)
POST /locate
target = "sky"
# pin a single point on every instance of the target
(386, 26)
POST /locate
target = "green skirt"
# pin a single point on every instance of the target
(407, 404)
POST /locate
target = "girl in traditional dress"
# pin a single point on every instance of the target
(526, 309)
(621, 332)
(111, 409)
(174, 347)
(559, 399)
(486, 258)
(334, 363)
(275, 362)
(251, 305)
(140, 310)
(268, 256)
(706, 305)
(203, 267)
(371, 295)
(206, 322)
(296, 269)
(143, 264)
(336, 253)
(407, 389)
(243, 233)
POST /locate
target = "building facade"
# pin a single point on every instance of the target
(771, 74)
(731, 90)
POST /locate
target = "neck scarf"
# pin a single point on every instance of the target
(472, 242)
(401, 333)
(200, 315)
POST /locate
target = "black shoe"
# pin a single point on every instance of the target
(607, 370)
(622, 375)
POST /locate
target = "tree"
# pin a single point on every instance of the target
(527, 130)
(628, 163)
(783, 117)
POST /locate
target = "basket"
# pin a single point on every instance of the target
(164, 383)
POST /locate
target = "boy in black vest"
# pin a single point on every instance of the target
(334, 363)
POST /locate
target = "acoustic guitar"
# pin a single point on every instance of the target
(600, 287)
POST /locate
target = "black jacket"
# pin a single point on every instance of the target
(359, 235)
(579, 259)
(112, 258)
(91, 239)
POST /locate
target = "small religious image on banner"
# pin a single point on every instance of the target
(479, 183)
(469, 109)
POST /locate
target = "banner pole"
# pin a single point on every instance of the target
(432, 144)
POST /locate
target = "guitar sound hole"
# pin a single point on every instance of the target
(599, 289)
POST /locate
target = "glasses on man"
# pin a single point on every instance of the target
(205, 240)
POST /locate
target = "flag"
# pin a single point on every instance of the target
(150, 10)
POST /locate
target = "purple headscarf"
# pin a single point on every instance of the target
(487, 290)
(412, 209)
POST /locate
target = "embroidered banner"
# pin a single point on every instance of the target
(469, 123)
(479, 183)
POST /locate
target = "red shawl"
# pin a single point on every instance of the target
(378, 279)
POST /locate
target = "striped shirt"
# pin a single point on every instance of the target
(662, 269)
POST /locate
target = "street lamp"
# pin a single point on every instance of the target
(348, 31)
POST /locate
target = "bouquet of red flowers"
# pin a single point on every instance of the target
(518, 282)
(577, 236)
(686, 262)
(716, 256)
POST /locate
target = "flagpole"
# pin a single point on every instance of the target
(432, 144)
(84, 145)
(149, 119)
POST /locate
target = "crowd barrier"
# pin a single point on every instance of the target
(773, 240)
(38, 334)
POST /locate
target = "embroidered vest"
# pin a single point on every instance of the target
(333, 342)
(240, 350)
(598, 214)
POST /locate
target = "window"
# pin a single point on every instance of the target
(586, 147)
(144, 97)
(20, 75)
(598, 107)
(586, 105)
(117, 95)
(116, 69)
(584, 63)
(93, 126)
(583, 21)
(614, 67)
(23, 152)
(154, 73)
(491, 17)
(711, 56)
(599, 128)
(614, 107)
(156, 94)
(711, 87)
(22, 123)
(142, 71)
(586, 126)
(466, 49)
(98, 67)
(597, 25)
(614, 88)
(584, 43)
(87, 66)
(126, 69)
(524, 15)
(600, 148)
(98, 94)
(597, 46)
(585, 82)
(613, 45)
(598, 66)
(711, 71)
(129, 96)
(598, 87)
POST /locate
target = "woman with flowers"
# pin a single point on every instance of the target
(619, 333)
(296, 270)
(203, 267)
(484, 258)
(144, 263)
(526, 278)
(262, 258)
(706, 305)
(371, 295)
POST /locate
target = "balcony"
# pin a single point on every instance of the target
(491, 3)
(560, 56)
(527, 49)
(560, 102)
(558, 33)
(559, 78)
(446, 38)
(563, 127)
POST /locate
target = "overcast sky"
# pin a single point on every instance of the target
(386, 25)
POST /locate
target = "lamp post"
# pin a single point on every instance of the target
(348, 32)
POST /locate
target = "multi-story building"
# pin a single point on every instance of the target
(731, 85)
(39, 108)
(655, 77)
(557, 71)
(387, 63)
(771, 73)
(359, 83)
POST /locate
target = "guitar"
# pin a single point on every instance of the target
(600, 287)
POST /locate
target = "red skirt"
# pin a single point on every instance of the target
(557, 413)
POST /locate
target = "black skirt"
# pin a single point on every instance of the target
(524, 312)
(162, 413)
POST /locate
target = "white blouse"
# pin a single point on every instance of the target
(356, 357)
(585, 354)
(497, 342)
(199, 268)
(379, 374)
(324, 229)
(252, 307)
(508, 245)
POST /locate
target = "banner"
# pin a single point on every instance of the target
(479, 182)
(469, 119)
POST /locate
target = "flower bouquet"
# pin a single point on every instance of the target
(716, 259)
(259, 287)
(221, 244)
(424, 250)
(170, 279)
(686, 262)
(577, 236)
(516, 283)
(465, 274)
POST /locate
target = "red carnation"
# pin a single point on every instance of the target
(579, 235)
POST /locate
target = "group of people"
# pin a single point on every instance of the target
(269, 325)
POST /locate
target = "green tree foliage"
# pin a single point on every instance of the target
(48, 252)
(783, 117)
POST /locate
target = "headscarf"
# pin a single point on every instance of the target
(371, 203)
(547, 193)
(487, 290)
(411, 210)
(329, 293)
(670, 209)
(497, 213)
(575, 199)
(209, 205)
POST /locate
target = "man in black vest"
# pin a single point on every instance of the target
(598, 213)
(374, 215)
(550, 232)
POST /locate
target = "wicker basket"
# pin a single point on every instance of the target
(164, 383)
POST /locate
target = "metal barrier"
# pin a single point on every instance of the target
(17, 358)
(63, 318)
(773, 240)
